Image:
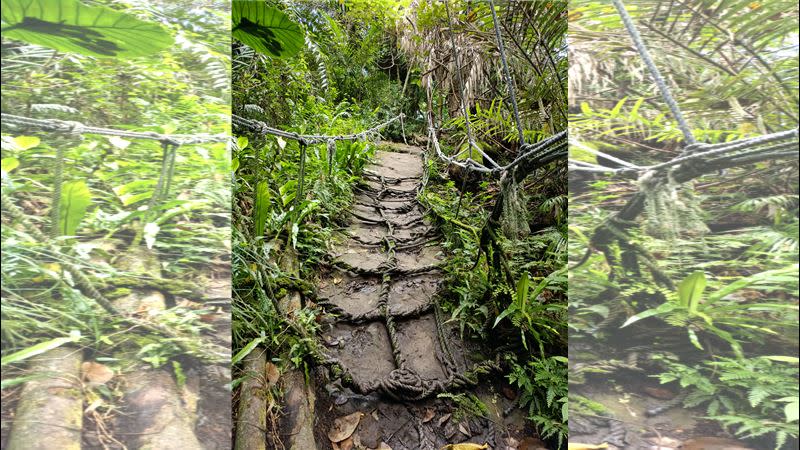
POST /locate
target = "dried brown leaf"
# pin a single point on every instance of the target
(273, 374)
(96, 373)
(343, 427)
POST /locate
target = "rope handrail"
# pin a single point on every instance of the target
(72, 127)
(654, 72)
(555, 143)
(787, 139)
(308, 139)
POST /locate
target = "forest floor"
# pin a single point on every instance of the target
(75, 401)
(385, 331)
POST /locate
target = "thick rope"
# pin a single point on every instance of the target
(725, 150)
(554, 145)
(262, 128)
(509, 80)
(688, 137)
(64, 126)
(55, 202)
(464, 109)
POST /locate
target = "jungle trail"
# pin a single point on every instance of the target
(387, 344)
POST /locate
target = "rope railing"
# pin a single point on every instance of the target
(698, 152)
(654, 72)
(547, 147)
(309, 139)
(72, 127)
(553, 146)
(694, 151)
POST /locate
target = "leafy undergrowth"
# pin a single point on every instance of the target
(105, 219)
(726, 334)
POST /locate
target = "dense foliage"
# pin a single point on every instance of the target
(362, 62)
(727, 333)
(96, 198)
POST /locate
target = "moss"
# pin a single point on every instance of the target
(583, 404)
(119, 292)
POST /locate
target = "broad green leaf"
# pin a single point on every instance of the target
(792, 408)
(74, 27)
(129, 199)
(788, 359)
(11, 382)
(792, 411)
(694, 339)
(615, 112)
(132, 186)
(25, 142)
(39, 348)
(75, 199)
(246, 350)
(242, 142)
(522, 288)
(503, 314)
(261, 208)
(753, 279)
(9, 164)
(691, 289)
(663, 308)
(288, 192)
(266, 29)
(234, 164)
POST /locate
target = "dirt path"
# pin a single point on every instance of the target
(385, 332)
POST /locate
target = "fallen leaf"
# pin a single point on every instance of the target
(465, 446)
(343, 427)
(429, 414)
(659, 393)
(443, 419)
(208, 318)
(96, 373)
(463, 427)
(578, 446)
(273, 374)
(346, 444)
(383, 446)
